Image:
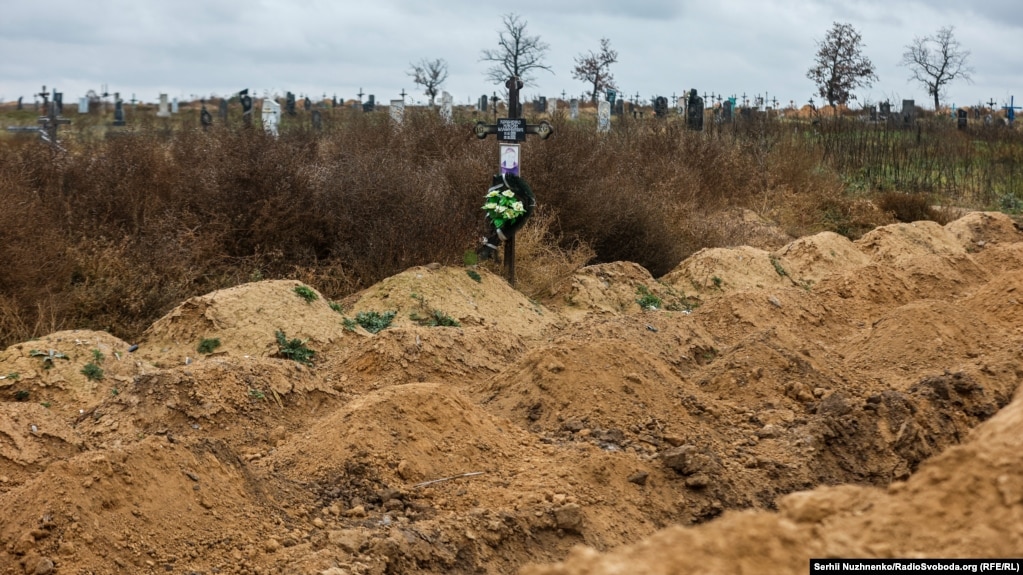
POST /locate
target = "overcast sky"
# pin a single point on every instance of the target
(312, 47)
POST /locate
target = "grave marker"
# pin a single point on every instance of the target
(317, 120)
(727, 110)
(58, 101)
(510, 130)
(19, 102)
(271, 116)
(118, 111)
(370, 105)
(222, 109)
(604, 116)
(660, 106)
(908, 112)
(573, 108)
(1010, 110)
(446, 111)
(307, 104)
(205, 118)
(694, 112)
(246, 101)
(397, 111)
(552, 107)
(289, 104)
(962, 118)
(174, 106)
(83, 105)
(164, 110)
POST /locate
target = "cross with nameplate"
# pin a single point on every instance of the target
(50, 122)
(512, 130)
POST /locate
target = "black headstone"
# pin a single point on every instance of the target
(962, 118)
(119, 112)
(727, 113)
(246, 101)
(205, 117)
(289, 104)
(19, 102)
(660, 106)
(483, 103)
(333, 102)
(58, 102)
(317, 120)
(694, 112)
(370, 105)
(307, 103)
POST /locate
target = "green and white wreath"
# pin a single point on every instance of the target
(502, 206)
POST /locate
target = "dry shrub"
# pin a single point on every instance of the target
(543, 257)
(910, 207)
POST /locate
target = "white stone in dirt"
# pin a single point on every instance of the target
(163, 111)
(445, 107)
(397, 112)
(604, 116)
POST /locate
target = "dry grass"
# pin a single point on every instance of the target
(125, 226)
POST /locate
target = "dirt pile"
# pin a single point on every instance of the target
(825, 397)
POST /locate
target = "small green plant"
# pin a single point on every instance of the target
(474, 275)
(349, 324)
(115, 392)
(374, 322)
(470, 258)
(647, 300)
(208, 345)
(336, 306)
(306, 293)
(717, 282)
(46, 404)
(256, 394)
(48, 356)
(97, 357)
(434, 319)
(294, 349)
(21, 395)
(14, 375)
(92, 372)
(777, 267)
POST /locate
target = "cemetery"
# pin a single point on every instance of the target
(282, 333)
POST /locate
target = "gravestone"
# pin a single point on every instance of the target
(118, 112)
(873, 113)
(164, 110)
(83, 105)
(222, 110)
(886, 110)
(573, 108)
(539, 105)
(271, 116)
(962, 118)
(552, 107)
(482, 105)
(246, 101)
(289, 104)
(58, 102)
(370, 104)
(445, 107)
(660, 106)
(205, 118)
(614, 102)
(19, 101)
(174, 106)
(908, 112)
(397, 111)
(746, 113)
(317, 120)
(619, 107)
(694, 111)
(604, 117)
(728, 111)
(333, 102)
(307, 104)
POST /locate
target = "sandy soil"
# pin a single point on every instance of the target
(756, 406)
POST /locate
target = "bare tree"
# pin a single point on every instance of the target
(518, 53)
(595, 68)
(429, 74)
(937, 60)
(840, 66)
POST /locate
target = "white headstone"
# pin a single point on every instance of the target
(445, 107)
(174, 106)
(573, 107)
(552, 106)
(163, 111)
(604, 116)
(83, 105)
(271, 115)
(398, 111)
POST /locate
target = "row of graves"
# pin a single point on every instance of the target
(907, 117)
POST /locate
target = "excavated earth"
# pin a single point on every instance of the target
(756, 406)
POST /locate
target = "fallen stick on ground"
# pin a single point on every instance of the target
(432, 481)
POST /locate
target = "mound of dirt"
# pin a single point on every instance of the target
(814, 400)
(241, 321)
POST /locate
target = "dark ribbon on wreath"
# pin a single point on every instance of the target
(524, 194)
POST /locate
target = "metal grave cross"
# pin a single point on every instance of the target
(510, 131)
(1011, 109)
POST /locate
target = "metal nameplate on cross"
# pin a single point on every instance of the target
(513, 128)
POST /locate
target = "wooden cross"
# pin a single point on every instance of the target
(512, 129)
(991, 103)
(403, 94)
(360, 94)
